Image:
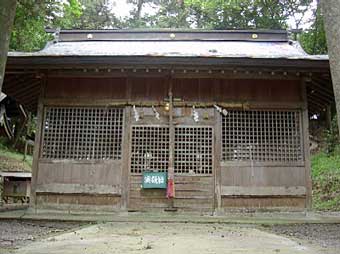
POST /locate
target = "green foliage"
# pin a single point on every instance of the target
(32, 17)
(91, 15)
(218, 14)
(31, 125)
(28, 33)
(8, 153)
(323, 163)
(326, 180)
(326, 171)
(242, 14)
(331, 137)
(313, 40)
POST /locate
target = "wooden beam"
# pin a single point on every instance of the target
(78, 189)
(28, 88)
(324, 82)
(37, 146)
(306, 144)
(323, 90)
(320, 98)
(263, 191)
(15, 84)
(317, 102)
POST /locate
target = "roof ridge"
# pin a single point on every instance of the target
(170, 35)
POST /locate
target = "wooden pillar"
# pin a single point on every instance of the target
(171, 169)
(37, 145)
(306, 146)
(1, 189)
(217, 161)
(125, 187)
(328, 116)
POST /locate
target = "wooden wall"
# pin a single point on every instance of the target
(193, 193)
(105, 184)
(156, 89)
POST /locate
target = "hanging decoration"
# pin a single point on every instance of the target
(170, 190)
(195, 114)
(220, 110)
(136, 114)
(156, 113)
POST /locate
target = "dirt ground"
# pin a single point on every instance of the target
(324, 236)
(15, 234)
(66, 237)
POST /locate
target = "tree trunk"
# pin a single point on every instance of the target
(331, 14)
(139, 9)
(7, 14)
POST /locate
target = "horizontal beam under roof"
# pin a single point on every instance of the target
(171, 35)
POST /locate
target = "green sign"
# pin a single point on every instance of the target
(154, 180)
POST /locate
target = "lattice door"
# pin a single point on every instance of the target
(149, 148)
(193, 165)
(193, 149)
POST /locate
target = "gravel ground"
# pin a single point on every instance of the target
(14, 233)
(326, 236)
(165, 238)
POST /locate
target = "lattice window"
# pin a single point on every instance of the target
(193, 150)
(149, 148)
(260, 135)
(82, 133)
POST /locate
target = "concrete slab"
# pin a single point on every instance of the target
(186, 238)
(169, 217)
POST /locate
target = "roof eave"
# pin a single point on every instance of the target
(52, 62)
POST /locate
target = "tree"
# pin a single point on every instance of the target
(33, 16)
(331, 14)
(7, 8)
(89, 15)
(245, 14)
(313, 39)
(28, 33)
(7, 13)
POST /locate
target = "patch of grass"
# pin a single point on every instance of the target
(326, 180)
(9, 155)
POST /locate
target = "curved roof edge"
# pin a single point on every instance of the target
(252, 44)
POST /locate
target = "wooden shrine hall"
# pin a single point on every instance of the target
(202, 121)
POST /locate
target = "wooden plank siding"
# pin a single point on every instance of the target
(155, 90)
(193, 193)
(109, 184)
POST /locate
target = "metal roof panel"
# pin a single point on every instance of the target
(218, 49)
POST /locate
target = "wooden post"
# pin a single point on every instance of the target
(25, 152)
(328, 116)
(171, 169)
(125, 159)
(37, 145)
(306, 147)
(217, 161)
(1, 189)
